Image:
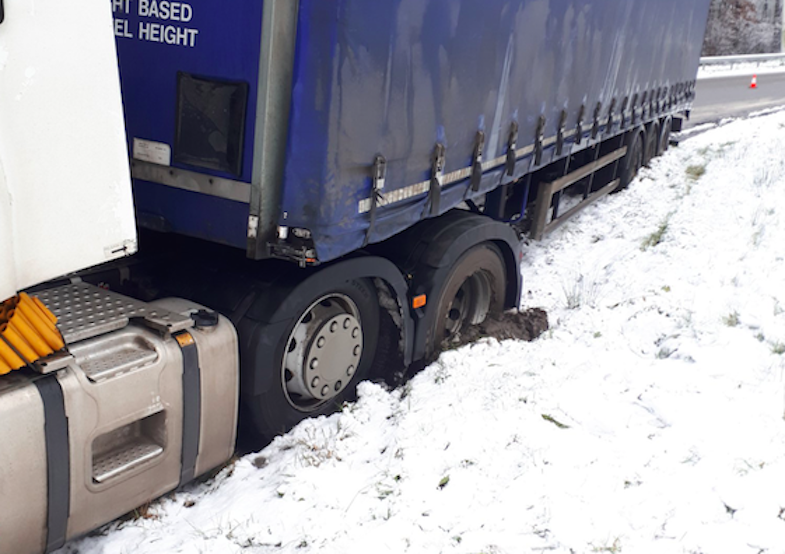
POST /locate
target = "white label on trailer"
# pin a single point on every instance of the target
(162, 10)
(153, 152)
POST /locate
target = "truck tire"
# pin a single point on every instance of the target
(652, 142)
(665, 136)
(474, 288)
(319, 357)
(633, 160)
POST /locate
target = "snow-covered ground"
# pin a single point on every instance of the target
(690, 131)
(732, 70)
(648, 420)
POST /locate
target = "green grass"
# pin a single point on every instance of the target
(656, 237)
(558, 424)
(695, 172)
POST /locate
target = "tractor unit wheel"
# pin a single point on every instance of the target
(319, 357)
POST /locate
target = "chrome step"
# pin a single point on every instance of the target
(114, 355)
(85, 311)
(125, 458)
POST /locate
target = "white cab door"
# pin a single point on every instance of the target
(65, 190)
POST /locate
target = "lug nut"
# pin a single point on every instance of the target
(325, 390)
(320, 342)
(315, 382)
(314, 363)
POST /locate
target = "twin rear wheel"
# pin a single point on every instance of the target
(633, 160)
(334, 340)
(642, 147)
(474, 288)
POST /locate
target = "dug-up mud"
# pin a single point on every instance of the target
(526, 325)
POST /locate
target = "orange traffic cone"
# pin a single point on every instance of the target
(754, 83)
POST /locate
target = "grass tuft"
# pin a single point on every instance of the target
(731, 320)
(583, 291)
(656, 237)
(558, 424)
(695, 172)
(664, 353)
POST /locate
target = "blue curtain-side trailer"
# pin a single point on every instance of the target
(287, 105)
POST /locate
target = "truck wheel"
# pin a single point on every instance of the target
(633, 160)
(665, 136)
(474, 288)
(320, 357)
(652, 143)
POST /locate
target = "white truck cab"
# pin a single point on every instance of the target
(65, 190)
(142, 397)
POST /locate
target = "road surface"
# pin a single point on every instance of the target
(720, 97)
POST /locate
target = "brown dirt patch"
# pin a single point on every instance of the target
(526, 325)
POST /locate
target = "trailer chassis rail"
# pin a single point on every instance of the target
(541, 226)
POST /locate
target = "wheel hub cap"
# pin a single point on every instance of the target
(333, 356)
(322, 353)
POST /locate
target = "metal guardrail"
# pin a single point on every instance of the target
(735, 60)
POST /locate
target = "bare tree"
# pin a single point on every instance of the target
(743, 27)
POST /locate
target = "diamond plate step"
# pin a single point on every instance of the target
(125, 459)
(85, 311)
(116, 359)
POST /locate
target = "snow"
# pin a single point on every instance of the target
(649, 419)
(690, 130)
(741, 69)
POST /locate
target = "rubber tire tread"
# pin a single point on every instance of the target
(665, 135)
(270, 411)
(484, 256)
(652, 143)
(635, 154)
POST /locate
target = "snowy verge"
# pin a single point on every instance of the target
(740, 69)
(649, 419)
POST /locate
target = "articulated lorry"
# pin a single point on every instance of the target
(324, 191)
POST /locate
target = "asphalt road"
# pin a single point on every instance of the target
(720, 97)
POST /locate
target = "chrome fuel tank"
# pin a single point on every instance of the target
(123, 417)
